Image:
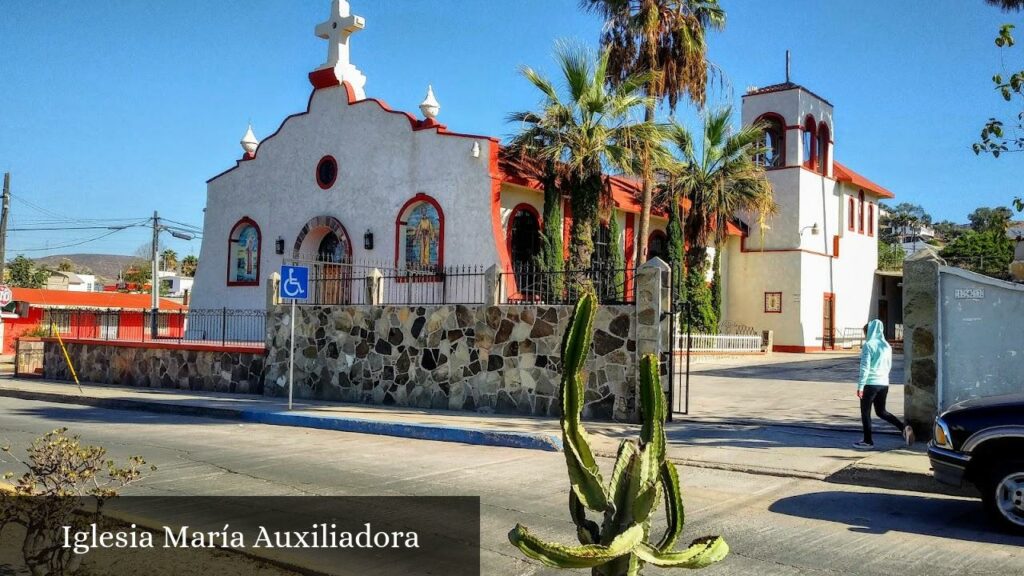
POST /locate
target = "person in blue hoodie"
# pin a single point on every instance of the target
(873, 384)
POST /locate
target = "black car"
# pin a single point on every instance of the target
(981, 441)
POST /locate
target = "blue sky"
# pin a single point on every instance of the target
(113, 109)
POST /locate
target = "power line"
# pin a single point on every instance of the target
(48, 248)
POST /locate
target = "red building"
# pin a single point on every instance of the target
(99, 315)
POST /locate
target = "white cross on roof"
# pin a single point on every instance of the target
(337, 30)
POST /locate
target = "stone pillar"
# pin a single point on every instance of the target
(920, 349)
(491, 284)
(273, 290)
(374, 286)
(1017, 266)
(653, 297)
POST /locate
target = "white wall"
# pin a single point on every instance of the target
(382, 163)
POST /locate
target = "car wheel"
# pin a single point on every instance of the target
(1003, 495)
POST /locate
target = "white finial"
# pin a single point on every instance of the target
(337, 30)
(249, 142)
(430, 106)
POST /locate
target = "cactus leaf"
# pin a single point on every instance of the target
(584, 473)
(616, 486)
(674, 511)
(587, 556)
(702, 553)
(587, 531)
(576, 341)
(652, 406)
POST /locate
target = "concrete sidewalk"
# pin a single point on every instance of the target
(758, 448)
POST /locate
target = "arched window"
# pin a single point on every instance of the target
(244, 245)
(851, 217)
(823, 148)
(773, 142)
(524, 237)
(871, 219)
(809, 142)
(657, 245)
(419, 235)
(860, 202)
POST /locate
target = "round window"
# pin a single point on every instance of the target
(327, 172)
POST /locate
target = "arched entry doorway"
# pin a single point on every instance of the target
(524, 246)
(323, 245)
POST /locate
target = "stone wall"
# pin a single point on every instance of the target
(501, 359)
(159, 366)
(920, 328)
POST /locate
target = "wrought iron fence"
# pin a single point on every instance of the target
(448, 285)
(528, 284)
(345, 283)
(223, 326)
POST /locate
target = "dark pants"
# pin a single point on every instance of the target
(876, 395)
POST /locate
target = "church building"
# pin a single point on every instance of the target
(350, 181)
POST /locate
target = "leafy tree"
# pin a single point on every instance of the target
(65, 265)
(665, 40)
(585, 128)
(189, 265)
(138, 272)
(984, 219)
(947, 231)
(902, 220)
(716, 284)
(987, 252)
(23, 273)
(170, 259)
(890, 256)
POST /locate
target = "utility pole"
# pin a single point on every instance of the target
(3, 223)
(155, 282)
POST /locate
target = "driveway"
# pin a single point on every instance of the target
(816, 390)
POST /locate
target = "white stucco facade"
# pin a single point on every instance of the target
(810, 257)
(383, 164)
(278, 205)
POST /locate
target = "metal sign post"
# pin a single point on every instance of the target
(294, 286)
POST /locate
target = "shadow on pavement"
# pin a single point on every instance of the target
(875, 513)
(111, 416)
(828, 370)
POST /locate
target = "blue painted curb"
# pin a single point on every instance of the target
(439, 433)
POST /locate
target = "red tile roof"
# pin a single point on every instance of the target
(66, 299)
(844, 174)
(625, 194)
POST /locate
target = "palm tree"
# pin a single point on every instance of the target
(189, 265)
(170, 259)
(1007, 5)
(583, 129)
(665, 39)
(721, 180)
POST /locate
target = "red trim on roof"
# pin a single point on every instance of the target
(41, 298)
(844, 174)
(415, 124)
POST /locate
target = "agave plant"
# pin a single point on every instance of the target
(641, 480)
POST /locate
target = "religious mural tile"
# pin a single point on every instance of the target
(422, 237)
(245, 256)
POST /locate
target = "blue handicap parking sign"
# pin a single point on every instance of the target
(294, 282)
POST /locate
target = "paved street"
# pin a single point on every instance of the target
(774, 525)
(795, 389)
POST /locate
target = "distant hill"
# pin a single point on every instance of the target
(105, 266)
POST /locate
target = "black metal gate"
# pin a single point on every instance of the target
(678, 353)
